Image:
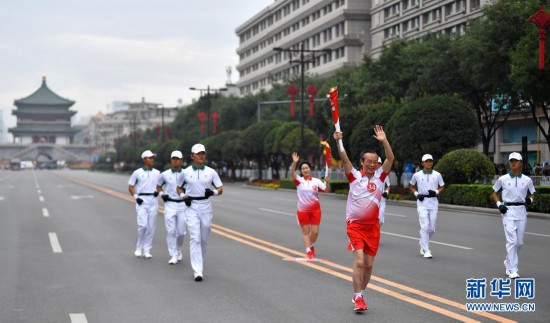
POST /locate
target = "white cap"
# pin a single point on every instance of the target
(515, 155)
(427, 157)
(197, 148)
(148, 153)
(379, 160)
(177, 154)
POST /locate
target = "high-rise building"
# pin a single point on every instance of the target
(409, 19)
(350, 28)
(340, 25)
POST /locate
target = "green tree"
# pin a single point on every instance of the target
(431, 125)
(529, 80)
(485, 65)
(465, 166)
(252, 142)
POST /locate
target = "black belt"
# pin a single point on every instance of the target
(197, 198)
(174, 200)
(146, 194)
(514, 203)
(427, 196)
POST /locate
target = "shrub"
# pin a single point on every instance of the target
(465, 166)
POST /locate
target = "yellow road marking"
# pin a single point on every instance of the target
(257, 243)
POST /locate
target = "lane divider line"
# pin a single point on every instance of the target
(78, 318)
(232, 234)
(431, 241)
(45, 212)
(54, 242)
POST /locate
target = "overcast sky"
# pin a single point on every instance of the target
(98, 51)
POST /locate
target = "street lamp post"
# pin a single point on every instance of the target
(208, 103)
(302, 60)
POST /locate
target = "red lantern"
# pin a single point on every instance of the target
(292, 90)
(542, 20)
(215, 116)
(311, 90)
(167, 133)
(202, 118)
(157, 130)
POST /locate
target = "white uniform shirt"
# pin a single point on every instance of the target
(386, 185)
(514, 189)
(170, 179)
(196, 181)
(427, 181)
(364, 196)
(145, 181)
(307, 189)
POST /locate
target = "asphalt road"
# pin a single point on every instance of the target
(67, 240)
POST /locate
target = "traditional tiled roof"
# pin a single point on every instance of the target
(44, 96)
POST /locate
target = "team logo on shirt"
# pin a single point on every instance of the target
(371, 187)
(314, 187)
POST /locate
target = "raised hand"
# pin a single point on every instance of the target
(379, 133)
(295, 157)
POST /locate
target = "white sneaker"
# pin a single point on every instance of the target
(507, 271)
(427, 254)
(513, 275)
(173, 261)
(198, 277)
(180, 255)
(148, 255)
(138, 252)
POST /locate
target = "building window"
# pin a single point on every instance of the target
(475, 4)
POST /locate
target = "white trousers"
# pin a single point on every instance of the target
(174, 220)
(198, 226)
(146, 223)
(382, 210)
(427, 219)
(514, 231)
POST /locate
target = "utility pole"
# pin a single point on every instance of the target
(302, 60)
(208, 103)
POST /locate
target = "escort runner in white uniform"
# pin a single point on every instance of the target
(429, 184)
(201, 183)
(174, 207)
(142, 185)
(382, 208)
(514, 188)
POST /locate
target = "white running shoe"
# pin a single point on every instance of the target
(173, 261)
(507, 271)
(138, 252)
(180, 255)
(427, 254)
(513, 275)
(198, 277)
(148, 255)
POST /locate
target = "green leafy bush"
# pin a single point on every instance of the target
(465, 166)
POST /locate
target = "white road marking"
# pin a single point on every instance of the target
(54, 242)
(393, 214)
(78, 197)
(45, 212)
(538, 234)
(64, 185)
(38, 191)
(431, 241)
(1, 198)
(78, 318)
(275, 211)
(41, 198)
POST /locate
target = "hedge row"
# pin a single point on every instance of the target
(458, 194)
(481, 196)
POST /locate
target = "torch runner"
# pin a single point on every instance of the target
(333, 97)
